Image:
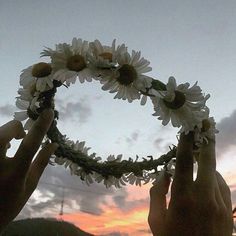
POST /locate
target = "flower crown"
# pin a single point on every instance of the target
(122, 73)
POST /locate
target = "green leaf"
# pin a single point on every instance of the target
(158, 85)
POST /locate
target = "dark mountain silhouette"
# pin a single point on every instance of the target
(43, 227)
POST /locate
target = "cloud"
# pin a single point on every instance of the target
(55, 183)
(227, 135)
(121, 202)
(95, 200)
(133, 138)
(80, 110)
(161, 144)
(158, 142)
(7, 110)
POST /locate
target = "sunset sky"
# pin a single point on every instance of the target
(190, 40)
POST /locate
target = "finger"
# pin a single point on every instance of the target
(183, 177)
(12, 129)
(207, 166)
(224, 191)
(224, 204)
(218, 195)
(33, 139)
(157, 210)
(3, 151)
(38, 166)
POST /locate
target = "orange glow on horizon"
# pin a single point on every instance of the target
(131, 221)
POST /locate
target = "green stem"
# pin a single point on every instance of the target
(106, 169)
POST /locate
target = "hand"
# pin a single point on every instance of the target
(197, 208)
(19, 176)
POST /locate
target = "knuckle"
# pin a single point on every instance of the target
(26, 148)
(40, 129)
(17, 124)
(227, 191)
(209, 206)
(179, 187)
(24, 156)
(186, 202)
(222, 212)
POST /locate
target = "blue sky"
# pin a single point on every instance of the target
(191, 40)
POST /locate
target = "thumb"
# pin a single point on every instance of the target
(157, 210)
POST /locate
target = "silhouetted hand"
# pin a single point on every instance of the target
(19, 176)
(197, 208)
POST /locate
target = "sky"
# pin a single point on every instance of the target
(190, 40)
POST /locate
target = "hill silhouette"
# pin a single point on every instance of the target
(43, 227)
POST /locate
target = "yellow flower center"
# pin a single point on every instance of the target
(41, 69)
(76, 63)
(177, 102)
(206, 125)
(106, 56)
(127, 75)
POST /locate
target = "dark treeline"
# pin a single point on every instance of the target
(43, 227)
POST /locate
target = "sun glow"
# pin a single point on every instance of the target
(113, 219)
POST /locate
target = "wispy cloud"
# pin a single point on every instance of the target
(123, 202)
(94, 208)
(227, 135)
(161, 144)
(133, 138)
(79, 111)
(55, 183)
(7, 110)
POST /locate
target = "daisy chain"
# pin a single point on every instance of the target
(124, 74)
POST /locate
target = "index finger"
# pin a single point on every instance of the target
(10, 130)
(207, 164)
(183, 177)
(32, 141)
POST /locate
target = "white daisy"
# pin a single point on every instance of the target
(127, 80)
(88, 178)
(70, 62)
(133, 179)
(23, 115)
(113, 158)
(182, 105)
(37, 77)
(170, 168)
(205, 130)
(104, 57)
(60, 160)
(26, 94)
(77, 146)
